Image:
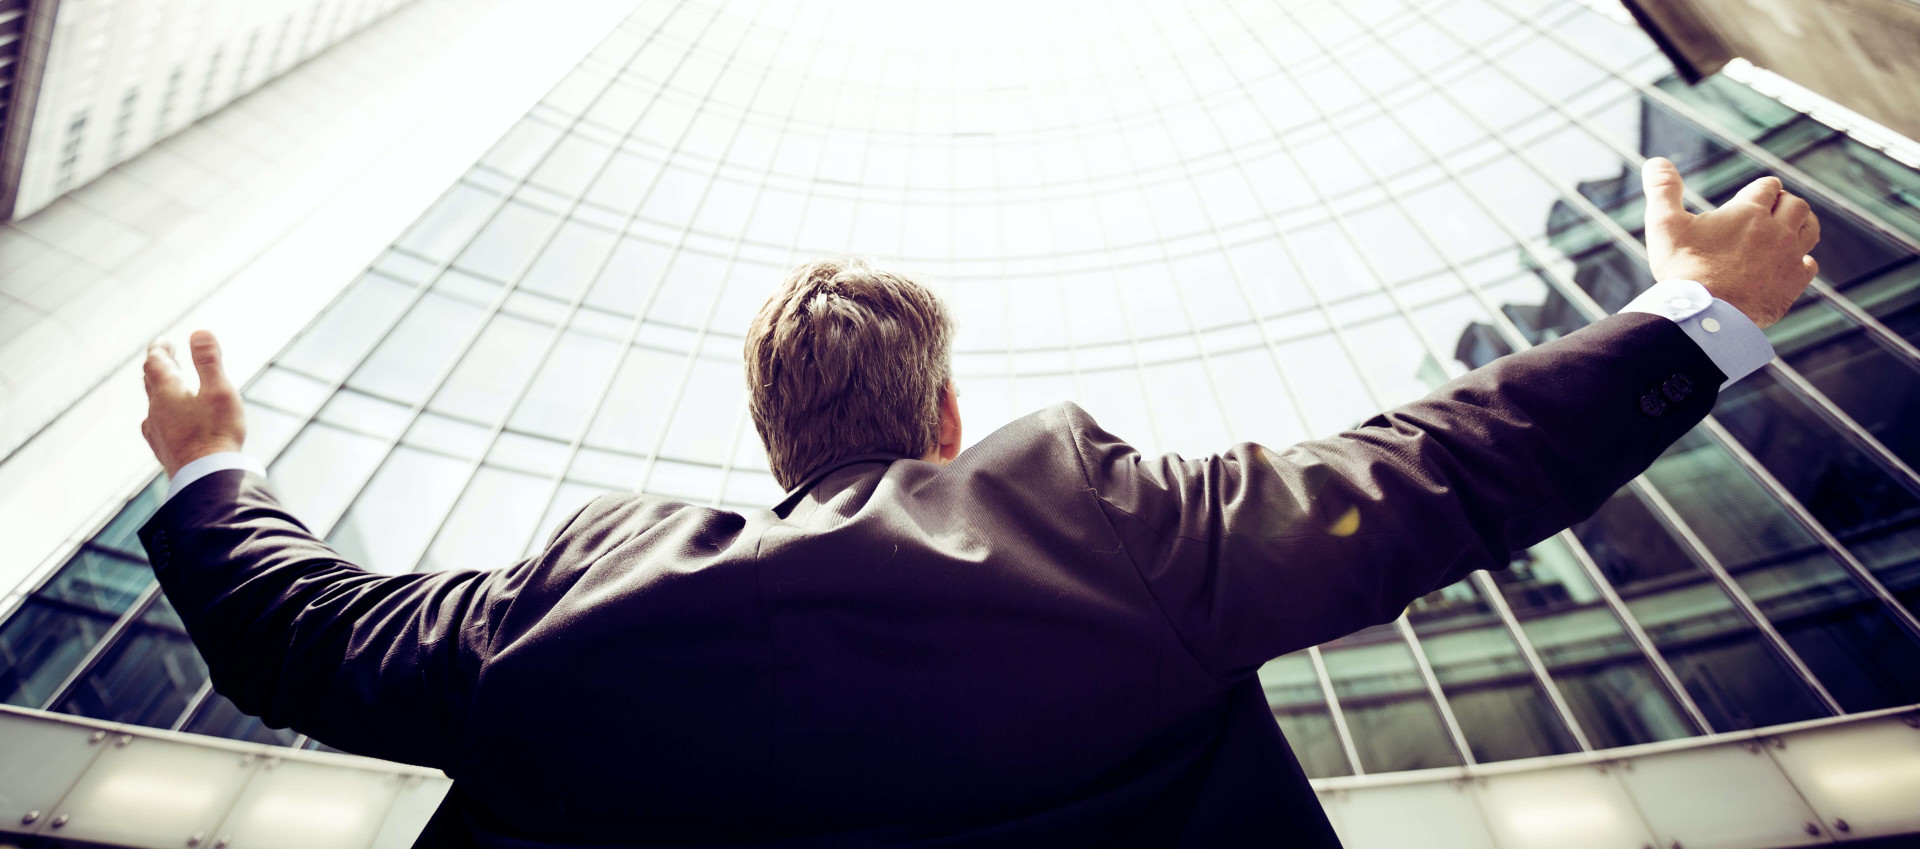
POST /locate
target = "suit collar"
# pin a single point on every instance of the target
(813, 478)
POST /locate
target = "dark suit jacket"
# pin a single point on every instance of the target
(1050, 642)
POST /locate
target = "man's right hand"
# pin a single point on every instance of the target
(184, 425)
(1751, 252)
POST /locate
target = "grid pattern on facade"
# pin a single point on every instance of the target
(1205, 223)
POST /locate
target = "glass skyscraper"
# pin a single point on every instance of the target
(1205, 223)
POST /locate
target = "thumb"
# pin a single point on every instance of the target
(1763, 193)
(206, 361)
(1666, 205)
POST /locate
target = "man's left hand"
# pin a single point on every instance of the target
(182, 425)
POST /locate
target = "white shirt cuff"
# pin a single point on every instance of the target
(1734, 343)
(216, 462)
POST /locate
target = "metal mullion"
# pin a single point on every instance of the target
(733, 447)
(1882, 334)
(1879, 333)
(1484, 580)
(1542, 675)
(1852, 565)
(1637, 634)
(1340, 728)
(1663, 510)
(1876, 329)
(1585, 303)
(108, 640)
(1823, 406)
(1126, 321)
(200, 698)
(1420, 661)
(465, 346)
(575, 444)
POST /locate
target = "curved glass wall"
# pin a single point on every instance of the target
(1205, 223)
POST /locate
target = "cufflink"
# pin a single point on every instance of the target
(1677, 388)
(1652, 404)
(1710, 325)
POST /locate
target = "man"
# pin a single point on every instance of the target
(1046, 640)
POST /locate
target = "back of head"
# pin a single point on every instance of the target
(846, 359)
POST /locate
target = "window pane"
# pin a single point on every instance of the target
(571, 165)
(217, 717)
(491, 372)
(1728, 669)
(636, 405)
(408, 362)
(121, 534)
(508, 243)
(390, 524)
(444, 229)
(1394, 723)
(712, 404)
(331, 348)
(567, 386)
(321, 470)
(566, 501)
(1874, 514)
(1609, 685)
(147, 677)
(1500, 707)
(54, 628)
(1852, 643)
(569, 262)
(490, 526)
(1293, 692)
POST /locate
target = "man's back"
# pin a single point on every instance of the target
(1052, 640)
(903, 650)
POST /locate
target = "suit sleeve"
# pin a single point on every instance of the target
(377, 665)
(1257, 552)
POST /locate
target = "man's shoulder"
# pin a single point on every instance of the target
(612, 519)
(1039, 444)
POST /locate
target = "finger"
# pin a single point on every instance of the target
(1666, 193)
(160, 369)
(1810, 232)
(206, 360)
(1791, 209)
(1812, 265)
(1762, 193)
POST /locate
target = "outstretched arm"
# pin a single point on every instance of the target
(373, 664)
(1256, 552)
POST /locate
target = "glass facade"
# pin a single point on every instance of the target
(1205, 223)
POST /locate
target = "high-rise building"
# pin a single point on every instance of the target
(1205, 223)
(97, 83)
